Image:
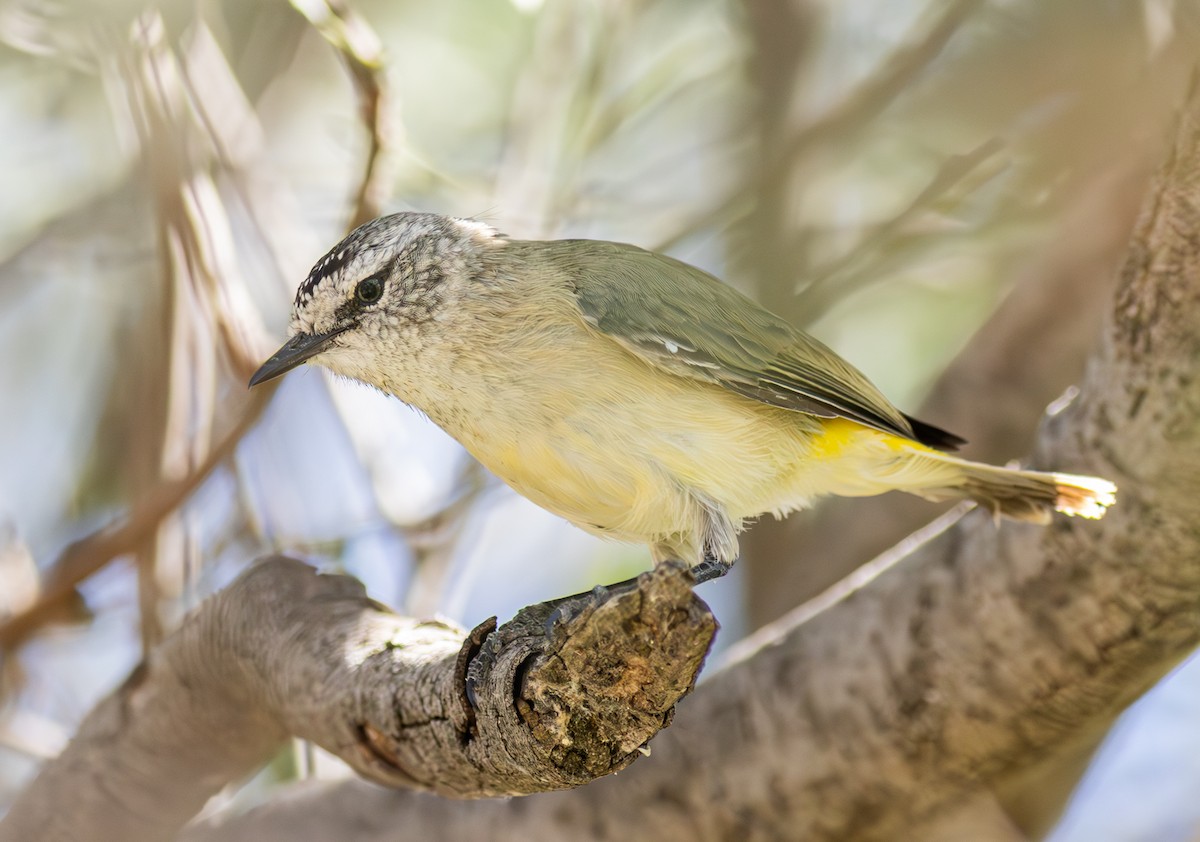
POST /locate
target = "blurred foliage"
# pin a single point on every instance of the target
(880, 172)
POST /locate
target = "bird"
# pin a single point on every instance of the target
(637, 396)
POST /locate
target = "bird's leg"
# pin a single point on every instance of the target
(705, 571)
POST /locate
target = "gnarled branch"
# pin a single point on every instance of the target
(285, 651)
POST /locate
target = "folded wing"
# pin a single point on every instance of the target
(649, 303)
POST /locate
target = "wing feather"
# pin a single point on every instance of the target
(622, 293)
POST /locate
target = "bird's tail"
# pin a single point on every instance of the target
(1021, 495)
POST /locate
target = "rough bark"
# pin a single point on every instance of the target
(931, 676)
(557, 699)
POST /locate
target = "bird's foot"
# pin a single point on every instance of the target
(709, 569)
(568, 606)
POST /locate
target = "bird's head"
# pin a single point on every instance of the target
(370, 301)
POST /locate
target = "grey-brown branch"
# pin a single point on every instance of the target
(285, 651)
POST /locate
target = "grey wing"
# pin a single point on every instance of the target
(649, 303)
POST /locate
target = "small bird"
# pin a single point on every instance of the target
(637, 396)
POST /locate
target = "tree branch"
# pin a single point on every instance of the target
(86, 556)
(915, 685)
(285, 651)
(159, 82)
(894, 75)
(362, 53)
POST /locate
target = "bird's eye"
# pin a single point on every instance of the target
(369, 290)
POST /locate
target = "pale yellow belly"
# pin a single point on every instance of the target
(635, 453)
(632, 464)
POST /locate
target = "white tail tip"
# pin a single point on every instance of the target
(1083, 496)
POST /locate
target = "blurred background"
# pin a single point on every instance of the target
(942, 191)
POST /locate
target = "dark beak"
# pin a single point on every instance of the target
(295, 351)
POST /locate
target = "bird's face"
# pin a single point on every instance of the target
(373, 302)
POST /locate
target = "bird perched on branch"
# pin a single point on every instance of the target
(634, 395)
